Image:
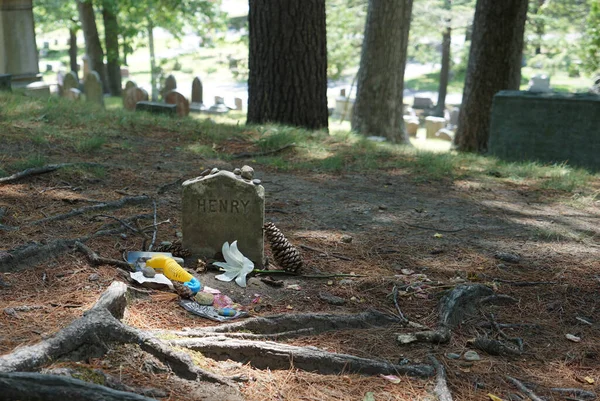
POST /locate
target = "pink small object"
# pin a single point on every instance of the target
(211, 290)
(222, 301)
(256, 300)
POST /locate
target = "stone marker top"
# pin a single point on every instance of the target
(549, 95)
(239, 181)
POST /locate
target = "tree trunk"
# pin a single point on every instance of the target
(288, 63)
(378, 109)
(93, 48)
(495, 60)
(154, 93)
(445, 69)
(73, 50)
(111, 40)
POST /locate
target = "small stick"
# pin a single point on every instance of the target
(524, 389)
(125, 224)
(395, 294)
(433, 228)
(41, 170)
(502, 334)
(155, 228)
(334, 255)
(525, 283)
(265, 153)
(96, 260)
(577, 392)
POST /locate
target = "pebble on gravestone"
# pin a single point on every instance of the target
(220, 208)
(70, 81)
(197, 91)
(176, 98)
(93, 88)
(132, 96)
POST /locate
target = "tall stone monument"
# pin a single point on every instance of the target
(224, 207)
(18, 52)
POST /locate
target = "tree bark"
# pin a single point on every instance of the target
(111, 41)
(73, 50)
(93, 48)
(495, 60)
(154, 92)
(445, 68)
(378, 109)
(287, 83)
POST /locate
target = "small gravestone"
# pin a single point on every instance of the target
(70, 81)
(132, 96)
(156, 108)
(539, 83)
(197, 91)
(238, 104)
(85, 60)
(422, 103)
(170, 85)
(72, 94)
(223, 207)
(433, 125)
(412, 125)
(176, 98)
(130, 84)
(93, 88)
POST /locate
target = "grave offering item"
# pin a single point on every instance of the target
(132, 96)
(284, 253)
(197, 91)
(433, 125)
(93, 88)
(182, 104)
(70, 81)
(223, 207)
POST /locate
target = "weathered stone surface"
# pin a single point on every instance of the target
(247, 172)
(239, 104)
(547, 127)
(197, 91)
(70, 82)
(93, 88)
(5, 82)
(433, 125)
(130, 84)
(176, 98)
(132, 96)
(170, 85)
(412, 125)
(445, 134)
(72, 94)
(156, 108)
(422, 103)
(221, 208)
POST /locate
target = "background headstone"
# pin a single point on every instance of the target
(132, 96)
(170, 85)
(72, 94)
(85, 60)
(433, 125)
(70, 81)
(5, 82)
(220, 208)
(130, 84)
(176, 98)
(197, 91)
(412, 125)
(238, 103)
(93, 88)
(539, 83)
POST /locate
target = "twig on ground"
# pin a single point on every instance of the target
(577, 392)
(41, 170)
(335, 255)
(100, 206)
(96, 260)
(498, 299)
(495, 347)
(524, 283)
(155, 228)
(441, 389)
(165, 187)
(502, 334)
(263, 153)
(433, 228)
(123, 223)
(524, 389)
(395, 295)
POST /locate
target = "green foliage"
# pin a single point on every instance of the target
(590, 49)
(90, 144)
(345, 29)
(32, 161)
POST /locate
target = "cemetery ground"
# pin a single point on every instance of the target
(377, 224)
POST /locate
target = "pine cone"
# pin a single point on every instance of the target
(284, 253)
(175, 247)
(182, 290)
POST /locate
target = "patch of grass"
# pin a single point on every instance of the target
(32, 161)
(90, 145)
(202, 150)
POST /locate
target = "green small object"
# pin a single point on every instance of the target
(369, 396)
(205, 298)
(149, 272)
(227, 312)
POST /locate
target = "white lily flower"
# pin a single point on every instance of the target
(236, 265)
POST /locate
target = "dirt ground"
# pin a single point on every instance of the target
(383, 226)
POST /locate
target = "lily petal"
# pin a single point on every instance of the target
(244, 271)
(226, 266)
(235, 256)
(227, 276)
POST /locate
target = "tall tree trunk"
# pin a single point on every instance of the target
(495, 60)
(445, 68)
(378, 109)
(93, 48)
(154, 92)
(73, 49)
(287, 83)
(111, 41)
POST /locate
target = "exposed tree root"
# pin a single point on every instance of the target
(133, 200)
(495, 347)
(246, 336)
(244, 155)
(22, 386)
(524, 389)
(441, 389)
(575, 392)
(267, 354)
(96, 260)
(41, 170)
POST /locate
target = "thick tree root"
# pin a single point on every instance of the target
(441, 389)
(524, 389)
(41, 170)
(22, 386)
(266, 354)
(96, 260)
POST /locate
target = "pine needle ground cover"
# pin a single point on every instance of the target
(407, 225)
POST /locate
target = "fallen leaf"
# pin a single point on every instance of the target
(494, 398)
(392, 378)
(369, 397)
(438, 235)
(573, 338)
(289, 307)
(294, 287)
(589, 380)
